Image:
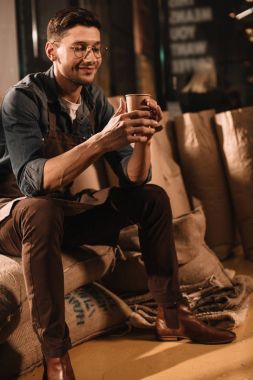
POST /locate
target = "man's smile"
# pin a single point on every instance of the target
(86, 68)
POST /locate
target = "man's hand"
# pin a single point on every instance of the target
(156, 112)
(131, 127)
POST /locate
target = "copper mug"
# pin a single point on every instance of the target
(136, 101)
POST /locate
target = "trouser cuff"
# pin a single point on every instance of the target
(55, 349)
(162, 290)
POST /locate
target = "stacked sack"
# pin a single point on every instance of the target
(235, 136)
(205, 178)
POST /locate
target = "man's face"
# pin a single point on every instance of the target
(73, 61)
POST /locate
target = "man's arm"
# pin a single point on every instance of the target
(37, 174)
(122, 129)
(140, 161)
(24, 139)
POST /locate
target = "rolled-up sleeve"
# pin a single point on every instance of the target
(24, 139)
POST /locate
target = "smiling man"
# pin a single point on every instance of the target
(71, 69)
(56, 124)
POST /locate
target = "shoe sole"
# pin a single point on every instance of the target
(177, 338)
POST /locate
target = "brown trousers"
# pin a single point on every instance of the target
(38, 230)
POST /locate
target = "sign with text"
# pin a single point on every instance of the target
(188, 43)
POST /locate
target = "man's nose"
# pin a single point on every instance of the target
(88, 52)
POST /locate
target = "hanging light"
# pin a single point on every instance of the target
(245, 13)
(232, 14)
(249, 31)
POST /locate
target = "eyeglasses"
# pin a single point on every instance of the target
(82, 50)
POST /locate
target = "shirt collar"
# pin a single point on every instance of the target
(52, 90)
(51, 86)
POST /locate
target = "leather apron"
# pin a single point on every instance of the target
(57, 142)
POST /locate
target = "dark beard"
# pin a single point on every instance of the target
(78, 82)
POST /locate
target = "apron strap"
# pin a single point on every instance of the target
(52, 117)
(91, 106)
(92, 121)
(52, 123)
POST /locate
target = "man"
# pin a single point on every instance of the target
(56, 124)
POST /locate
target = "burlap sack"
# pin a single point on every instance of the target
(91, 310)
(82, 266)
(166, 172)
(12, 294)
(87, 264)
(205, 178)
(9, 318)
(128, 276)
(235, 133)
(197, 263)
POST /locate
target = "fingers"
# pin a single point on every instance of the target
(141, 122)
(151, 111)
(122, 108)
(159, 128)
(141, 131)
(156, 112)
(138, 139)
(137, 114)
(151, 126)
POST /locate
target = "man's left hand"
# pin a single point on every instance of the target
(155, 109)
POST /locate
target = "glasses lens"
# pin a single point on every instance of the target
(83, 51)
(79, 51)
(103, 50)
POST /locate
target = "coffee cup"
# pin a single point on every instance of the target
(136, 101)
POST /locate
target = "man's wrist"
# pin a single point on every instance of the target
(98, 144)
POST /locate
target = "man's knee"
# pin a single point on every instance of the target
(39, 211)
(155, 193)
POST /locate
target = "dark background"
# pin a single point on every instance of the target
(138, 35)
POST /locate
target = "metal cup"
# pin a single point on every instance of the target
(136, 101)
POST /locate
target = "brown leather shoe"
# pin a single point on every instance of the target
(178, 322)
(58, 369)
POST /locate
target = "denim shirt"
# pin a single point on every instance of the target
(24, 128)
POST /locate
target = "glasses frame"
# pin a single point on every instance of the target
(102, 50)
(97, 54)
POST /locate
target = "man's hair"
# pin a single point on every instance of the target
(67, 18)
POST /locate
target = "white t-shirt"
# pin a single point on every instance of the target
(71, 107)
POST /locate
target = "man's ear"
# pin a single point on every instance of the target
(50, 51)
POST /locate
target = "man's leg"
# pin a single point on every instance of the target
(35, 230)
(149, 207)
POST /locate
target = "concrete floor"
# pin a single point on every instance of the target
(138, 356)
